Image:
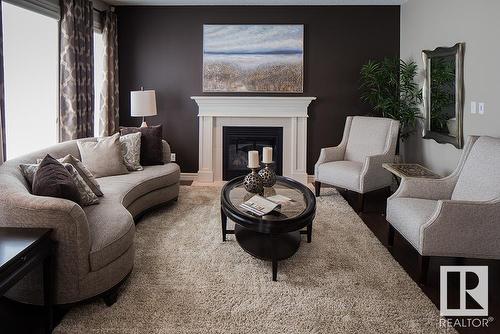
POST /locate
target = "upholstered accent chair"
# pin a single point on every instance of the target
(356, 163)
(456, 216)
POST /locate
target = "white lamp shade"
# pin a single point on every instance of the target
(143, 103)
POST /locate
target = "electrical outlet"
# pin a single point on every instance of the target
(172, 157)
(481, 108)
(473, 107)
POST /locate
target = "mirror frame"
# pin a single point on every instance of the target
(458, 52)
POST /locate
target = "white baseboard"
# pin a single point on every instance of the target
(189, 176)
(194, 176)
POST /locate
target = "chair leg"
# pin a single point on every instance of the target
(390, 236)
(361, 202)
(317, 188)
(423, 269)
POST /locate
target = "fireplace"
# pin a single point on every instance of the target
(238, 140)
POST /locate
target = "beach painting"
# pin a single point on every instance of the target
(253, 58)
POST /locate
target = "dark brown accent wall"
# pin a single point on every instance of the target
(161, 48)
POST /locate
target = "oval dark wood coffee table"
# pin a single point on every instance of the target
(275, 236)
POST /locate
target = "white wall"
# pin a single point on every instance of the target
(427, 24)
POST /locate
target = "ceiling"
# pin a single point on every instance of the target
(251, 2)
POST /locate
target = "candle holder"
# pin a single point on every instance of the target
(253, 182)
(268, 175)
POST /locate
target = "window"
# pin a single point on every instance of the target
(98, 77)
(30, 42)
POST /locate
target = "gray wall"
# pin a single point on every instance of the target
(427, 24)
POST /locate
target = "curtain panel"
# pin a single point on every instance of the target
(109, 113)
(2, 95)
(76, 105)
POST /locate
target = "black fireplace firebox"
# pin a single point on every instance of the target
(238, 140)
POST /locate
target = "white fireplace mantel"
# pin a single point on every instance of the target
(215, 112)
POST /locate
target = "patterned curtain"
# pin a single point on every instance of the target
(76, 114)
(2, 96)
(109, 113)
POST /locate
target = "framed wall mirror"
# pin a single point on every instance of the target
(443, 94)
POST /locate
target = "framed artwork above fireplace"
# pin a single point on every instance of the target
(259, 58)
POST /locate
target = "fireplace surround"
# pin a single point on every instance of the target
(217, 112)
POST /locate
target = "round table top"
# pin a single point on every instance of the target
(293, 215)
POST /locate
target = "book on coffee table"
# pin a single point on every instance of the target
(259, 205)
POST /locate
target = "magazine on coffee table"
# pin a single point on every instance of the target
(259, 205)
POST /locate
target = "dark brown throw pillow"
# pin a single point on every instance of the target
(53, 180)
(151, 146)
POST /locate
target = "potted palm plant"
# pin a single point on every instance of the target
(389, 87)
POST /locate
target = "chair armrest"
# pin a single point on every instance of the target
(66, 218)
(373, 172)
(166, 151)
(435, 189)
(328, 154)
(463, 229)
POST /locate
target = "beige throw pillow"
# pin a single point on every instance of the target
(104, 157)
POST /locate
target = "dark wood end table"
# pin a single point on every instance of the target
(21, 250)
(275, 236)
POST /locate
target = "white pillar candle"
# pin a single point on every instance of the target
(253, 159)
(267, 155)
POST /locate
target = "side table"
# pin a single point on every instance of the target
(22, 250)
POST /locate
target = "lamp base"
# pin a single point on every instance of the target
(144, 124)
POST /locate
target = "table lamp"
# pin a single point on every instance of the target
(142, 104)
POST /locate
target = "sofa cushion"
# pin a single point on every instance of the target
(54, 180)
(84, 173)
(87, 196)
(407, 215)
(131, 150)
(111, 229)
(480, 176)
(131, 186)
(367, 136)
(151, 143)
(103, 157)
(343, 174)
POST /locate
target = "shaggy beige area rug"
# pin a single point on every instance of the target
(186, 280)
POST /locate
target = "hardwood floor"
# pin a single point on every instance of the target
(20, 319)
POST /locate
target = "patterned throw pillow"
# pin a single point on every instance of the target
(87, 196)
(84, 173)
(28, 171)
(131, 150)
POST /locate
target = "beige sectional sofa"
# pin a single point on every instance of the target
(94, 244)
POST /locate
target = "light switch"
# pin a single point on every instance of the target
(481, 108)
(473, 107)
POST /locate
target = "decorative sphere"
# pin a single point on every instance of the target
(268, 176)
(253, 183)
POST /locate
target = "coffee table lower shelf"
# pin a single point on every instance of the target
(268, 247)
